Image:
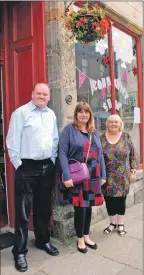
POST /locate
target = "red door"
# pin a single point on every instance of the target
(25, 64)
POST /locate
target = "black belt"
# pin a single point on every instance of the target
(33, 161)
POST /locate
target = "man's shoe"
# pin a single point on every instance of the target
(49, 248)
(21, 263)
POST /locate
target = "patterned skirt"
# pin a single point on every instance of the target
(87, 193)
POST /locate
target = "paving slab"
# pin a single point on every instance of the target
(134, 228)
(139, 217)
(43, 273)
(36, 258)
(83, 264)
(115, 255)
(124, 250)
(130, 271)
(134, 211)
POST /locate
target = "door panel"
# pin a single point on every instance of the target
(23, 74)
(23, 51)
(25, 65)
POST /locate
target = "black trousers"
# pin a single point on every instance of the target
(34, 181)
(115, 205)
(82, 220)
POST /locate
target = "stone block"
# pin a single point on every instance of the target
(128, 11)
(137, 188)
(98, 213)
(63, 212)
(64, 230)
(138, 196)
(130, 198)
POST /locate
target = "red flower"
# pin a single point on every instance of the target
(104, 31)
(98, 30)
(104, 22)
(96, 6)
(72, 26)
(83, 20)
(135, 70)
(105, 60)
(79, 24)
(95, 25)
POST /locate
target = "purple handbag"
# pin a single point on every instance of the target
(79, 171)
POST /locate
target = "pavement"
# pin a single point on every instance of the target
(115, 254)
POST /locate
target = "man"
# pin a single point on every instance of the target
(32, 143)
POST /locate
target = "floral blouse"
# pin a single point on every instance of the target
(119, 159)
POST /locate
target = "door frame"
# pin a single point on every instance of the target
(7, 106)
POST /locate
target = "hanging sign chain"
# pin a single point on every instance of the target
(67, 9)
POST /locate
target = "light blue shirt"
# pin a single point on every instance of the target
(32, 134)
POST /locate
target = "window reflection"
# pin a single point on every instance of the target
(126, 88)
(95, 88)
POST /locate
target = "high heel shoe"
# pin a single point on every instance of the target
(82, 250)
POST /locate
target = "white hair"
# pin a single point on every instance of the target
(117, 117)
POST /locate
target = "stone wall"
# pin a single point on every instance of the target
(132, 11)
(60, 63)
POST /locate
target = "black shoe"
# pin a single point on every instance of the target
(49, 248)
(82, 250)
(92, 246)
(21, 263)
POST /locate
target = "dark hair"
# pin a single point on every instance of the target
(90, 124)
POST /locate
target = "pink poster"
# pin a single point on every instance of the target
(103, 92)
(124, 76)
(82, 78)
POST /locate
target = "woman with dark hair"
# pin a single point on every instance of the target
(80, 142)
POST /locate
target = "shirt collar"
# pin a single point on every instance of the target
(32, 107)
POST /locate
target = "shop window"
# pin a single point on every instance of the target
(93, 79)
(126, 84)
(94, 83)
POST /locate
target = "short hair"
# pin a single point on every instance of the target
(40, 83)
(117, 117)
(90, 124)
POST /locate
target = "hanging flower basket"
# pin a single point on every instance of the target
(88, 24)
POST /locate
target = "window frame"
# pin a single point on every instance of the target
(137, 38)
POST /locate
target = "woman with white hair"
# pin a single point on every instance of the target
(120, 161)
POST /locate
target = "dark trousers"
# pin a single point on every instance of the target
(115, 205)
(34, 181)
(82, 220)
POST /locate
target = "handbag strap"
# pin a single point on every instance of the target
(88, 148)
(74, 160)
(87, 152)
